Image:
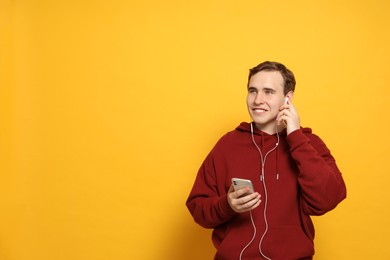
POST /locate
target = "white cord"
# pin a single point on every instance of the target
(265, 213)
(254, 235)
(262, 178)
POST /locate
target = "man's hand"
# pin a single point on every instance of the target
(241, 202)
(288, 115)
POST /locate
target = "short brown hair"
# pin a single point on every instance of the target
(288, 76)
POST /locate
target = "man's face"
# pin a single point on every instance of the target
(265, 97)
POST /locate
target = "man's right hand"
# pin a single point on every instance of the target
(240, 202)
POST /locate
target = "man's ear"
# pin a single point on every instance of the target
(290, 95)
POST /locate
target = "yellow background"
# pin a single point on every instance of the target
(108, 108)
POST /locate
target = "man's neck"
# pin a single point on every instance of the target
(271, 129)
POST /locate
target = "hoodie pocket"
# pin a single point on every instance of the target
(287, 242)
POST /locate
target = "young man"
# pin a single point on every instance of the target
(293, 173)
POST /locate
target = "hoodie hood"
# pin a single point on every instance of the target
(246, 127)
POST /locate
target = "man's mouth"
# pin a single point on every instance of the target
(259, 110)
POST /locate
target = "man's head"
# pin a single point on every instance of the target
(269, 84)
(288, 76)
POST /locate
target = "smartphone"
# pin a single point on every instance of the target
(242, 183)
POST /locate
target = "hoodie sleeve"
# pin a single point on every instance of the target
(207, 203)
(321, 182)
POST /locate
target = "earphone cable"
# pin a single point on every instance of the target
(262, 178)
(253, 237)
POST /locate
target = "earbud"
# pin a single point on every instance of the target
(285, 100)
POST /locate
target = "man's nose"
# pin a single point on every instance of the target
(259, 99)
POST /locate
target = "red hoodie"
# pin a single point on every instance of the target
(301, 177)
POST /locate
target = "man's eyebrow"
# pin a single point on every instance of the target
(250, 88)
(269, 89)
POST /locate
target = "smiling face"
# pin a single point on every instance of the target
(265, 97)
